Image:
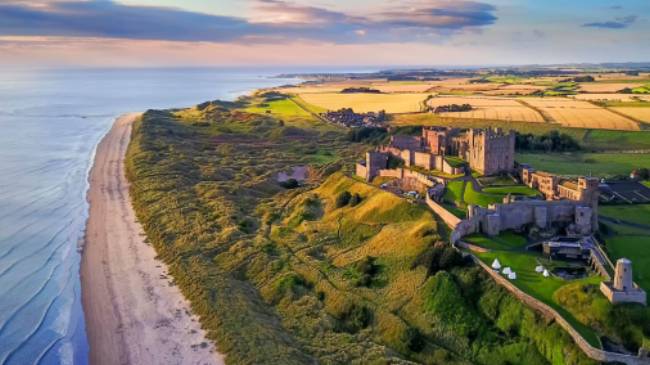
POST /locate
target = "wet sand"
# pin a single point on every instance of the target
(133, 314)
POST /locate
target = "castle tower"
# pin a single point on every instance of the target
(623, 275)
(623, 289)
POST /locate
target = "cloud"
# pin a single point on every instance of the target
(618, 23)
(271, 20)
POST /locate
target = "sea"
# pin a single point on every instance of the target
(50, 124)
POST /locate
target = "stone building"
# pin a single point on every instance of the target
(515, 215)
(489, 151)
(370, 167)
(553, 187)
(623, 289)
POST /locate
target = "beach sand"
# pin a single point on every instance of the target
(133, 313)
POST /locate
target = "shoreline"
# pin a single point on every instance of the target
(133, 312)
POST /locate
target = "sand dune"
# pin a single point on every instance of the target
(133, 314)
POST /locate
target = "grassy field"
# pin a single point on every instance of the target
(632, 242)
(491, 195)
(363, 103)
(293, 276)
(504, 241)
(596, 164)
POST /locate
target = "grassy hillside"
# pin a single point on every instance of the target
(335, 271)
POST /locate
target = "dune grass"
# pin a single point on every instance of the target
(290, 277)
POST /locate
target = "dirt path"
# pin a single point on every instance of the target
(133, 313)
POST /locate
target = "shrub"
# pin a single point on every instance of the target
(367, 270)
(343, 199)
(355, 318)
(413, 339)
(355, 200)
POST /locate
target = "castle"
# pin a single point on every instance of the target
(488, 151)
(623, 289)
(585, 189)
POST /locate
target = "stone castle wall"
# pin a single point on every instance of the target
(550, 313)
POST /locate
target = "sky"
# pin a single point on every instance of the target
(280, 33)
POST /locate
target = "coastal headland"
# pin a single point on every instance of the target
(134, 313)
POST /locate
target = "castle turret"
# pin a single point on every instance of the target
(623, 275)
(623, 289)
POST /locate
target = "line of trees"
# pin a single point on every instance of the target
(552, 141)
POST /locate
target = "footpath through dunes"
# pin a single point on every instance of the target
(134, 314)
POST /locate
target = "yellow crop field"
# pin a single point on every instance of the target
(611, 97)
(638, 113)
(489, 108)
(363, 103)
(606, 87)
(581, 114)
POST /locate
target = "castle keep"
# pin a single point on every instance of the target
(488, 151)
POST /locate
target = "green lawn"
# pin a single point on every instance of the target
(455, 161)
(638, 213)
(505, 241)
(495, 194)
(597, 164)
(646, 183)
(540, 287)
(454, 192)
(617, 140)
(282, 108)
(514, 190)
(630, 242)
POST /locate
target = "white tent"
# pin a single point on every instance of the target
(496, 265)
(546, 273)
(512, 275)
(539, 269)
(506, 271)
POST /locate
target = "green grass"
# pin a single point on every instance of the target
(455, 161)
(514, 190)
(628, 241)
(495, 194)
(646, 183)
(638, 213)
(596, 164)
(454, 192)
(280, 108)
(540, 287)
(616, 140)
(473, 197)
(645, 89)
(504, 241)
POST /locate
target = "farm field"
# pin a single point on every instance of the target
(638, 113)
(363, 103)
(607, 87)
(581, 114)
(597, 164)
(489, 108)
(611, 97)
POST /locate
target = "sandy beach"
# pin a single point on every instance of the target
(133, 313)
